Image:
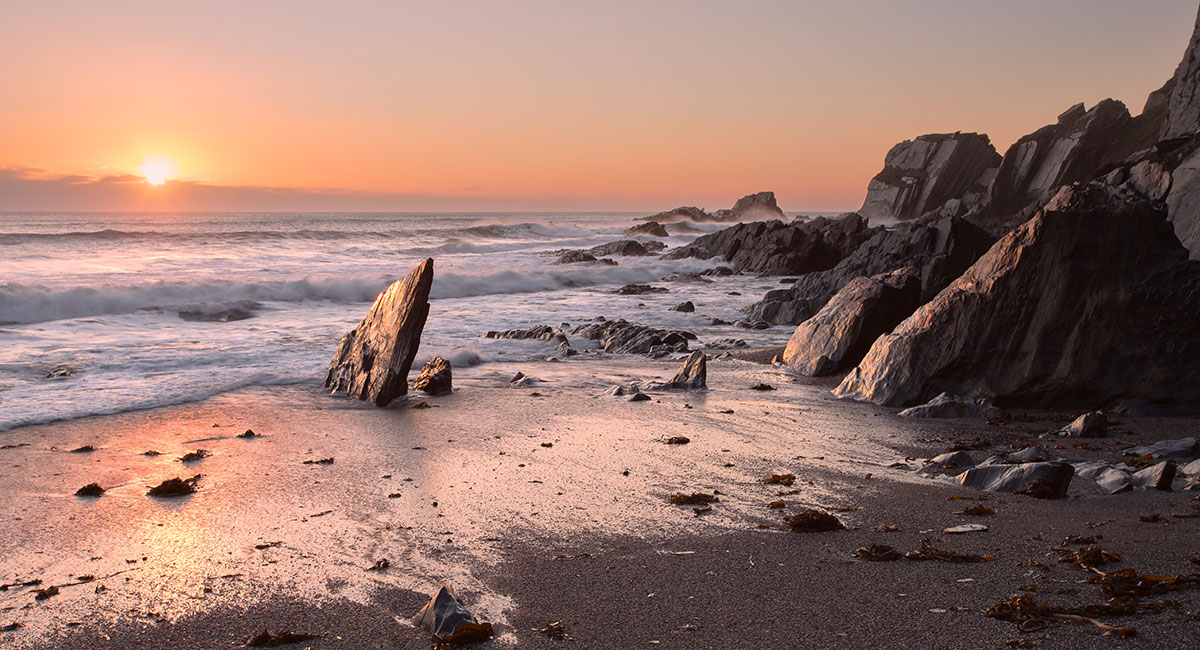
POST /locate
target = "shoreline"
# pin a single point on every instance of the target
(507, 506)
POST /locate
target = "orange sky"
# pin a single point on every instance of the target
(548, 105)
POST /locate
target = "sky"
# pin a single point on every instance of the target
(544, 105)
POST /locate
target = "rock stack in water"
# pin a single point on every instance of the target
(373, 359)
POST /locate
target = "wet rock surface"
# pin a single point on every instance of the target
(554, 335)
(373, 359)
(623, 337)
(435, 378)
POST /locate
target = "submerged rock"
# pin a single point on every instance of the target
(945, 174)
(373, 359)
(1049, 480)
(640, 290)
(575, 257)
(686, 307)
(648, 229)
(624, 247)
(623, 337)
(841, 333)
(435, 377)
(946, 405)
(538, 332)
(1091, 302)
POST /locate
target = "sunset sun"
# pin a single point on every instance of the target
(157, 171)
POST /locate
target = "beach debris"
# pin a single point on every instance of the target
(322, 461)
(152, 453)
(372, 361)
(965, 528)
(192, 456)
(15, 446)
(780, 479)
(775, 505)
(701, 511)
(1087, 557)
(435, 377)
(693, 499)
(248, 433)
(886, 528)
(266, 545)
(1088, 425)
(29, 583)
(11, 627)
(43, 594)
(929, 552)
(267, 639)
(449, 621)
(60, 372)
(677, 440)
(175, 487)
(83, 450)
(556, 631)
(977, 510)
(639, 290)
(814, 521)
(762, 387)
(1030, 615)
(422, 405)
(878, 553)
(547, 445)
(90, 490)
(380, 565)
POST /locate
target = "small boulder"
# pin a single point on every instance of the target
(575, 257)
(1088, 425)
(435, 377)
(1157, 477)
(686, 307)
(649, 229)
(952, 462)
(1052, 478)
(946, 405)
(694, 373)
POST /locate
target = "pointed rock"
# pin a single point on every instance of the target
(943, 173)
(373, 359)
(1183, 109)
(694, 373)
(435, 377)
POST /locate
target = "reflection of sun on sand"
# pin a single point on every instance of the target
(157, 170)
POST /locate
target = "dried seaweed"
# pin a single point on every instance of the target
(1031, 615)
(83, 450)
(677, 440)
(175, 487)
(555, 630)
(929, 552)
(191, 456)
(90, 490)
(693, 499)
(323, 461)
(1087, 557)
(762, 387)
(780, 479)
(878, 553)
(814, 521)
(977, 510)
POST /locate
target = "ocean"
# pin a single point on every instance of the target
(103, 313)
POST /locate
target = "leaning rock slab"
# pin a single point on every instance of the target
(373, 359)
(1092, 302)
(1156, 477)
(841, 333)
(1055, 477)
(694, 373)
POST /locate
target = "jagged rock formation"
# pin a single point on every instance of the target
(435, 377)
(623, 247)
(693, 375)
(648, 229)
(623, 337)
(752, 207)
(1183, 106)
(682, 213)
(776, 247)
(940, 251)
(841, 333)
(373, 359)
(575, 257)
(944, 174)
(1091, 302)
(539, 333)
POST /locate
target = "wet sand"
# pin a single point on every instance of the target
(550, 503)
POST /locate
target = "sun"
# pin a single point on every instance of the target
(157, 171)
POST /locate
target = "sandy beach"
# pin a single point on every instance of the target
(550, 503)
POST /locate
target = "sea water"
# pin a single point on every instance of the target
(102, 313)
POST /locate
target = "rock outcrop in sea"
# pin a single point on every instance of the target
(752, 207)
(939, 251)
(1092, 302)
(782, 248)
(623, 337)
(373, 359)
(940, 174)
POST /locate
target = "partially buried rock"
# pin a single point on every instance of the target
(434, 378)
(1088, 425)
(90, 490)
(1156, 477)
(814, 521)
(950, 406)
(1049, 480)
(687, 307)
(449, 621)
(373, 359)
(175, 487)
(575, 257)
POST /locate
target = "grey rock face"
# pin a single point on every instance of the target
(435, 377)
(1091, 302)
(951, 406)
(373, 359)
(940, 250)
(1088, 425)
(946, 174)
(648, 229)
(779, 248)
(1183, 108)
(1111, 479)
(841, 333)
(1155, 477)
(623, 337)
(1053, 478)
